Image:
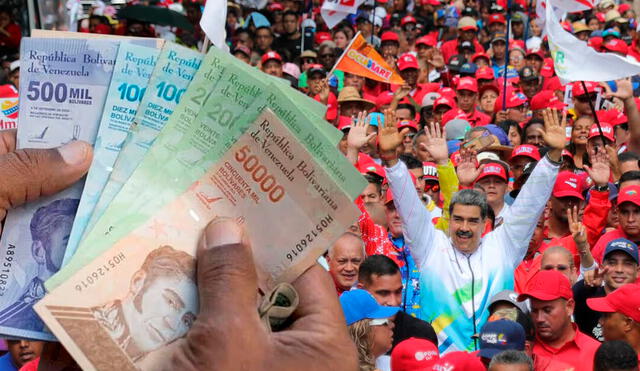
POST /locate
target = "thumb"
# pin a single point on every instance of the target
(31, 173)
(227, 279)
(371, 136)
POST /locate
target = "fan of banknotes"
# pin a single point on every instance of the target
(180, 138)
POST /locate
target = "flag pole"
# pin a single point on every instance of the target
(205, 45)
(506, 58)
(593, 111)
(342, 56)
(373, 23)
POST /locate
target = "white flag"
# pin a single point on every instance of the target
(574, 60)
(213, 22)
(334, 11)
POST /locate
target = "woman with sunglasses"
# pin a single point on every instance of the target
(370, 326)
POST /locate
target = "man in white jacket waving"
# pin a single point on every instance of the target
(459, 274)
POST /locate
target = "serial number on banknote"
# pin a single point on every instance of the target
(100, 272)
(7, 262)
(309, 237)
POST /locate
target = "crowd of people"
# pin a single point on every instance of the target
(500, 225)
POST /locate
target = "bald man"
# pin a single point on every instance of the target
(344, 259)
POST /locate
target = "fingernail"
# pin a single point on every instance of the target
(223, 231)
(74, 153)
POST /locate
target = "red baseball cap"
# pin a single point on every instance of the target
(269, 56)
(275, 6)
(537, 52)
(459, 361)
(430, 170)
(568, 184)
(617, 117)
(493, 169)
(407, 124)
(545, 99)
(577, 89)
(547, 285)
(547, 69)
(467, 83)
(322, 37)
(497, 18)
(407, 19)
(427, 40)
(414, 354)
(480, 55)
(595, 42)
(431, 2)
(629, 194)
(389, 36)
(366, 165)
(443, 101)
(607, 131)
(344, 123)
(449, 92)
(526, 150)
(384, 98)
(625, 300)
(623, 8)
(406, 61)
(617, 46)
(552, 83)
(485, 73)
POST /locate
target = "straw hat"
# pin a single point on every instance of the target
(350, 94)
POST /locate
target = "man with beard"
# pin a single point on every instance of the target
(465, 264)
(289, 44)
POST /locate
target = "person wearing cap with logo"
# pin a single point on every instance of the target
(498, 336)
(595, 142)
(390, 45)
(497, 23)
(530, 82)
(620, 317)
(408, 25)
(535, 60)
(465, 260)
(467, 96)
(581, 97)
(370, 325)
(441, 106)
(271, 64)
(619, 268)
(432, 188)
(493, 180)
(515, 109)
(414, 354)
(522, 155)
(409, 70)
(542, 100)
(552, 307)
(467, 31)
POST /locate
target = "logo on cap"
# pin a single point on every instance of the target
(421, 356)
(631, 193)
(493, 338)
(622, 245)
(571, 183)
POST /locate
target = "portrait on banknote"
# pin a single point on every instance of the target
(159, 307)
(50, 226)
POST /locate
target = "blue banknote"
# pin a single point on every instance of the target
(174, 72)
(132, 71)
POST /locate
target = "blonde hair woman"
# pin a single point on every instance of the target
(370, 326)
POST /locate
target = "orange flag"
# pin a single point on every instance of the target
(362, 59)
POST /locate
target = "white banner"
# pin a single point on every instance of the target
(334, 11)
(575, 61)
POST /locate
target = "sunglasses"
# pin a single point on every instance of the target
(379, 322)
(432, 187)
(586, 98)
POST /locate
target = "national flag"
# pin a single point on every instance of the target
(574, 60)
(214, 17)
(362, 59)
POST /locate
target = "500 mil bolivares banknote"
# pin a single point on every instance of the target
(63, 88)
(140, 296)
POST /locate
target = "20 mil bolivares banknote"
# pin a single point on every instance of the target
(127, 308)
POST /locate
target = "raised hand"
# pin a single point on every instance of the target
(436, 59)
(599, 171)
(467, 171)
(436, 143)
(402, 92)
(324, 91)
(624, 89)
(554, 133)
(594, 277)
(577, 229)
(389, 138)
(357, 136)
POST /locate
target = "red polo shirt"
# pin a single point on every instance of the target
(450, 48)
(578, 352)
(476, 118)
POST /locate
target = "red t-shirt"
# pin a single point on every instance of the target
(476, 118)
(578, 352)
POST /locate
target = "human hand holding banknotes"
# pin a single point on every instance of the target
(28, 174)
